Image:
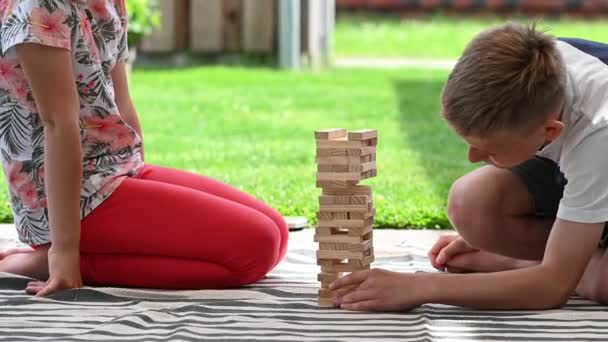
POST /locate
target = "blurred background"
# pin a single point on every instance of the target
(234, 89)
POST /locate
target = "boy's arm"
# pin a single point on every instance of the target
(123, 99)
(569, 250)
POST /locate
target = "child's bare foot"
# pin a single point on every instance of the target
(27, 262)
(482, 261)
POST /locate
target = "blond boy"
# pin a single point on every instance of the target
(531, 222)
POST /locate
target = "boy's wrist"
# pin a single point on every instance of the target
(431, 289)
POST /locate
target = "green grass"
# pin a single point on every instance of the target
(253, 128)
(438, 36)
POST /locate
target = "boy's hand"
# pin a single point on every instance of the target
(64, 270)
(447, 247)
(380, 290)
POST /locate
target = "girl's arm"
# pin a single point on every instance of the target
(123, 99)
(49, 71)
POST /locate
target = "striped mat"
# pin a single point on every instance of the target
(279, 308)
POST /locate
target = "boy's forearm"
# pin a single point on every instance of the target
(528, 288)
(63, 179)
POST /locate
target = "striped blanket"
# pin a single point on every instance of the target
(280, 308)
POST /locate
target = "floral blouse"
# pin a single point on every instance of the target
(95, 33)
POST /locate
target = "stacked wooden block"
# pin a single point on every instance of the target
(346, 211)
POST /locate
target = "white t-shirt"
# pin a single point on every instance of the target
(582, 149)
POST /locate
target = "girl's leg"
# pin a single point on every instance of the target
(213, 187)
(153, 234)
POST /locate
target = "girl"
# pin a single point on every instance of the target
(81, 195)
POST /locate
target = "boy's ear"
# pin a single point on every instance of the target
(552, 129)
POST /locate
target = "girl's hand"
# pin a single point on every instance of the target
(64, 271)
(380, 290)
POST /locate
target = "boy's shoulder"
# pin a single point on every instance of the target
(590, 48)
(586, 64)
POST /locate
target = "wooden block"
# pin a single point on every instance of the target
(348, 266)
(369, 174)
(371, 166)
(340, 238)
(324, 168)
(329, 231)
(341, 216)
(342, 208)
(329, 277)
(345, 223)
(359, 199)
(363, 134)
(327, 293)
(353, 190)
(339, 176)
(332, 152)
(330, 134)
(351, 247)
(327, 168)
(332, 254)
(368, 158)
(325, 302)
(340, 143)
(360, 231)
(331, 199)
(362, 216)
(335, 184)
(325, 215)
(372, 142)
(362, 262)
(335, 160)
(362, 151)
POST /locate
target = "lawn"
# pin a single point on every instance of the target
(438, 36)
(253, 128)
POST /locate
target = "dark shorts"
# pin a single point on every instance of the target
(546, 183)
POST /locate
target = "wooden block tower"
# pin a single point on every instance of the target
(346, 211)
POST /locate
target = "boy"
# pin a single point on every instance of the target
(535, 111)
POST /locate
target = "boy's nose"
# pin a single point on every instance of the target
(475, 156)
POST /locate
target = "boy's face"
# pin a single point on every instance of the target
(507, 149)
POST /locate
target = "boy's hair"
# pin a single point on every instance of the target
(508, 78)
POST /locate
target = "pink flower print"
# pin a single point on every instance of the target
(51, 26)
(42, 203)
(90, 166)
(101, 130)
(28, 195)
(80, 77)
(20, 89)
(99, 9)
(14, 177)
(87, 34)
(123, 136)
(120, 7)
(8, 69)
(4, 5)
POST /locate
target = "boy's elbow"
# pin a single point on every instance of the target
(553, 296)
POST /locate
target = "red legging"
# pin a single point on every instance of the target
(172, 229)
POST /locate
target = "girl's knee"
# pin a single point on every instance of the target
(258, 252)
